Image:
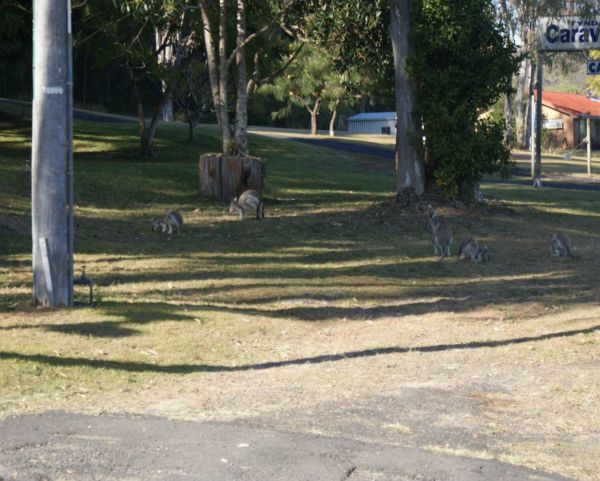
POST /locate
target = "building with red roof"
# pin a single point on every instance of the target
(565, 116)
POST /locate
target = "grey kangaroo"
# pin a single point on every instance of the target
(248, 201)
(171, 221)
(560, 245)
(441, 235)
(471, 249)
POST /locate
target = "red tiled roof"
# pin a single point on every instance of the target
(571, 103)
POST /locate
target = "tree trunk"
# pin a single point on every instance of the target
(241, 109)
(217, 68)
(224, 176)
(314, 117)
(333, 118)
(520, 102)
(165, 58)
(190, 122)
(145, 148)
(167, 113)
(224, 78)
(150, 133)
(409, 164)
(530, 106)
(364, 99)
(508, 117)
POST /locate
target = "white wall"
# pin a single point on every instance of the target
(371, 126)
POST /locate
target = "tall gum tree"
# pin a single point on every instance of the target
(409, 162)
(221, 61)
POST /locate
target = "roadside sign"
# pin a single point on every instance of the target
(553, 124)
(593, 67)
(568, 33)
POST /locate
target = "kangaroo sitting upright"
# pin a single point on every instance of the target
(441, 235)
(249, 200)
(560, 245)
(171, 221)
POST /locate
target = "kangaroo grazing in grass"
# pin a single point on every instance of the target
(441, 235)
(471, 249)
(249, 200)
(171, 221)
(560, 245)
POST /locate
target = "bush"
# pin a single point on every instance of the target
(461, 64)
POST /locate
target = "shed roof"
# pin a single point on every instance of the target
(374, 116)
(573, 104)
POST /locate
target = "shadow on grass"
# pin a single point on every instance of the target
(112, 329)
(141, 367)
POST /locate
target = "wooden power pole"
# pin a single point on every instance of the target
(51, 155)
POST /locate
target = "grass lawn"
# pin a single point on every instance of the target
(329, 316)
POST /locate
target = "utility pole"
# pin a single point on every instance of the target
(588, 125)
(51, 155)
(537, 165)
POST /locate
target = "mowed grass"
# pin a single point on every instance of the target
(219, 322)
(146, 282)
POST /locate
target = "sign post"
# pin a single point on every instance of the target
(589, 144)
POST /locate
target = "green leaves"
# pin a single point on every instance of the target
(462, 64)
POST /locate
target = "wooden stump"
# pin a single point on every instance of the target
(224, 177)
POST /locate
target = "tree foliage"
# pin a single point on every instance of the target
(308, 82)
(15, 48)
(461, 64)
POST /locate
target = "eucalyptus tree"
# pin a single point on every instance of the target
(136, 34)
(224, 50)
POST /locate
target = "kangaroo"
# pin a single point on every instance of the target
(441, 235)
(171, 221)
(471, 249)
(249, 200)
(560, 245)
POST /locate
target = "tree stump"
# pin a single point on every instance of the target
(224, 177)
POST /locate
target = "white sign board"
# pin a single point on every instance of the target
(593, 67)
(553, 124)
(568, 33)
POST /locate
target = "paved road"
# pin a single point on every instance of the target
(64, 446)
